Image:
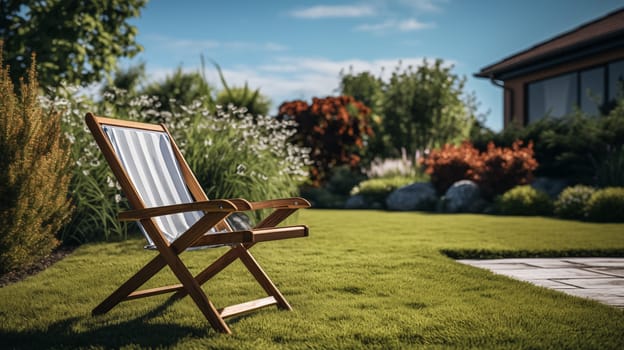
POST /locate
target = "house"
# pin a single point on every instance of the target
(582, 68)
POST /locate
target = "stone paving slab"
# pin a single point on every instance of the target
(600, 279)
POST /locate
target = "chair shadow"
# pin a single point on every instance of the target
(113, 336)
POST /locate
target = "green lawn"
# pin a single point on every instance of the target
(363, 279)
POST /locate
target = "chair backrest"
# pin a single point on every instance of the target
(150, 170)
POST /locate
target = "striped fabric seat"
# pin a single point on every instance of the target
(149, 160)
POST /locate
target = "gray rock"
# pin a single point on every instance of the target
(417, 196)
(463, 197)
(551, 186)
(356, 202)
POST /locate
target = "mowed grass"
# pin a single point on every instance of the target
(362, 280)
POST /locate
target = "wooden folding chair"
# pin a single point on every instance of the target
(174, 214)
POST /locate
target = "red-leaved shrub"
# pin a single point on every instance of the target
(450, 164)
(495, 170)
(334, 128)
(505, 168)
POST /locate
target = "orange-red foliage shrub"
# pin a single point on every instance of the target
(495, 170)
(450, 164)
(334, 128)
(505, 168)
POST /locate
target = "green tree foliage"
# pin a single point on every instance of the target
(34, 174)
(130, 79)
(78, 41)
(364, 87)
(368, 89)
(424, 107)
(418, 108)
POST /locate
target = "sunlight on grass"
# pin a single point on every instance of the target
(363, 279)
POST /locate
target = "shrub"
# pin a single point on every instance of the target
(568, 147)
(34, 174)
(230, 154)
(572, 202)
(452, 163)
(378, 189)
(610, 172)
(504, 168)
(96, 195)
(524, 200)
(233, 156)
(606, 205)
(336, 191)
(335, 129)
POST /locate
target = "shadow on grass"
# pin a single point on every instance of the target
(133, 332)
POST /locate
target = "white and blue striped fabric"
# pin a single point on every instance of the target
(149, 161)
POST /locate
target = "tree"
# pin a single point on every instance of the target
(129, 79)
(425, 107)
(78, 41)
(368, 89)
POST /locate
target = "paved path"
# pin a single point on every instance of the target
(601, 279)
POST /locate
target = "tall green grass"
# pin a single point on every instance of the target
(362, 280)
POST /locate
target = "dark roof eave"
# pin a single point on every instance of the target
(579, 50)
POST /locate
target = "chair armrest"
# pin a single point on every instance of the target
(217, 205)
(282, 203)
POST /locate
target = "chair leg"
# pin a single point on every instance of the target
(132, 284)
(196, 293)
(212, 270)
(262, 278)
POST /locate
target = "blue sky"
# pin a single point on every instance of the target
(296, 49)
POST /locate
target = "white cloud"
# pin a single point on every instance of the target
(333, 11)
(393, 25)
(412, 24)
(425, 5)
(200, 44)
(292, 78)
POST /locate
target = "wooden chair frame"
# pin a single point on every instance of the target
(216, 211)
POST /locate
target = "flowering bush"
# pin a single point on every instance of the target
(452, 163)
(231, 155)
(572, 202)
(335, 129)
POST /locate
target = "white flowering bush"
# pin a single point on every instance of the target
(232, 153)
(235, 154)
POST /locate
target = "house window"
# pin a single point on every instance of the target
(616, 81)
(592, 90)
(554, 97)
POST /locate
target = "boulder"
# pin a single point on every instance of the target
(417, 196)
(463, 197)
(551, 186)
(356, 202)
